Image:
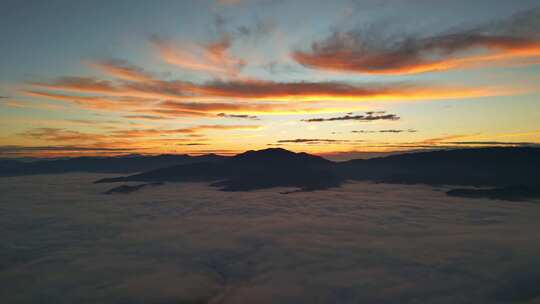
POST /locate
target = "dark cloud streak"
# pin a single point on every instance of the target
(369, 116)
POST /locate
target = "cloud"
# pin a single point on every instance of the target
(385, 131)
(29, 105)
(15, 149)
(175, 98)
(336, 91)
(312, 141)
(214, 57)
(494, 143)
(110, 103)
(145, 117)
(180, 98)
(3, 97)
(179, 108)
(361, 52)
(370, 116)
(122, 69)
(436, 140)
(244, 116)
(194, 129)
(259, 246)
(132, 139)
(228, 2)
(260, 90)
(79, 84)
(193, 144)
(60, 135)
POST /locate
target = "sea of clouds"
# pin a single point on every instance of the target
(63, 241)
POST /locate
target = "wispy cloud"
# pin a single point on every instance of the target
(145, 117)
(385, 131)
(79, 84)
(61, 135)
(243, 116)
(361, 52)
(494, 143)
(133, 139)
(317, 141)
(114, 103)
(259, 90)
(228, 2)
(188, 130)
(122, 69)
(369, 116)
(214, 58)
(16, 150)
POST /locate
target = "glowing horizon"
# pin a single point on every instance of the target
(225, 76)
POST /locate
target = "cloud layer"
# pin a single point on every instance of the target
(359, 52)
(189, 243)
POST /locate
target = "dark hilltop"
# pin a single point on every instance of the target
(496, 173)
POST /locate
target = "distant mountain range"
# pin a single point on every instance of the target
(501, 169)
(120, 164)
(250, 170)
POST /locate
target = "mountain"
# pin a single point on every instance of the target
(250, 170)
(510, 193)
(494, 167)
(119, 164)
(471, 167)
(510, 169)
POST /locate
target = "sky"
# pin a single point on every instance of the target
(336, 78)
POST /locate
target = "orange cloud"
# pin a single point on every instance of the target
(335, 91)
(79, 84)
(424, 59)
(124, 140)
(214, 57)
(121, 69)
(259, 90)
(189, 130)
(61, 135)
(443, 139)
(145, 117)
(509, 40)
(59, 151)
(96, 102)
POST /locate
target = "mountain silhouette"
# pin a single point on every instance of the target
(471, 167)
(510, 193)
(508, 170)
(119, 164)
(494, 167)
(250, 170)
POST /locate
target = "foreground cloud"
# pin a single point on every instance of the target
(359, 52)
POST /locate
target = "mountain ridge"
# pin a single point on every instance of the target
(500, 168)
(496, 167)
